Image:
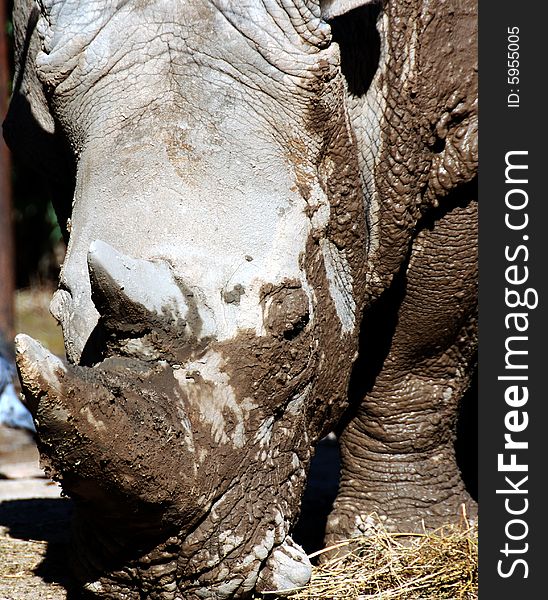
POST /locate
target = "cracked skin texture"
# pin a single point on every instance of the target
(397, 450)
(124, 489)
(429, 133)
(171, 505)
(397, 444)
(126, 399)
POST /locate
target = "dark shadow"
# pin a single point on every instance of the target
(320, 493)
(94, 350)
(43, 519)
(360, 46)
(376, 333)
(377, 329)
(44, 165)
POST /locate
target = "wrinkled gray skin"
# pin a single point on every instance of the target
(261, 200)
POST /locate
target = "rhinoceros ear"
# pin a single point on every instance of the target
(335, 8)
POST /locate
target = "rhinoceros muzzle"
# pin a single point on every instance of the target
(165, 423)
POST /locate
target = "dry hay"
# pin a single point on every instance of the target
(398, 566)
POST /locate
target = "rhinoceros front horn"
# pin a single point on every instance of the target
(91, 439)
(40, 372)
(52, 393)
(59, 399)
(131, 292)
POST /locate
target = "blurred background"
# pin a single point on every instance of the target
(31, 251)
(31, 245)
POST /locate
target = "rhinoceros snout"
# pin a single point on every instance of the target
(287, 568)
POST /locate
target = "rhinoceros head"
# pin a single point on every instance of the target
(212, 290)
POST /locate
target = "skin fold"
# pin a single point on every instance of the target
(270, 210)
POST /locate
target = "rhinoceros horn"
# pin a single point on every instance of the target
(91, 438)
(131, 290)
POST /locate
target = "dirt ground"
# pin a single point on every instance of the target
(34, 524)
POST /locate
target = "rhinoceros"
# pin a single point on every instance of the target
(263, 202)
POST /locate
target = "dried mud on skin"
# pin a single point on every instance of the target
(384, 566)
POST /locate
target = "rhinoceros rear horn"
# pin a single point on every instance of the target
(131, 291)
